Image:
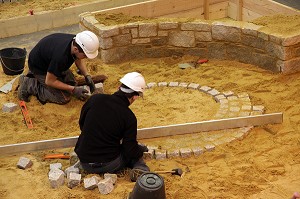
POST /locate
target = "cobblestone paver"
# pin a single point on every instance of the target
(231, 105)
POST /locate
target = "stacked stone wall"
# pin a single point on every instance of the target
(218, 40)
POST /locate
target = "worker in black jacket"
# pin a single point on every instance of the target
(108, 139)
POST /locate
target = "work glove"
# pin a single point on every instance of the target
(90, 83)
(80, 93)
(143, 147)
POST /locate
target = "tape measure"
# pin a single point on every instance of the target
(25, 113)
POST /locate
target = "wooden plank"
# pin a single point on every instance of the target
(38, 145)
(153, 132)
(255, 8)
(218, 10)
(212, 125)
(193, 13)
(268, 7)
(158, 8)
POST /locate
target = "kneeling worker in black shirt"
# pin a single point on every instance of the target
(107, 142)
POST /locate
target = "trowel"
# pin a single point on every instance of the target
(8, 86)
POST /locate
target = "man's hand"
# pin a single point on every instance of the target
(90, 83)
(80, 93)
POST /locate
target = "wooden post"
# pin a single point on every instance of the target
(239, 11)
(206, 9)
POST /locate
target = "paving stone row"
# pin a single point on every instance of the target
(231, 105)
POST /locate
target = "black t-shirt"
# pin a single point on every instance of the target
(104, 121)
(52, 54)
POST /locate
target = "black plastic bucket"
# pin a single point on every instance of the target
(148, 186)
(13, 60)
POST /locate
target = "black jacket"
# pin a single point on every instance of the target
(105, 121)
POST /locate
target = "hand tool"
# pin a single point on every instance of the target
(57, 156)
(173, 172)
(8, 86)
(25, 113)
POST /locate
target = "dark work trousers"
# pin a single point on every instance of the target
(114, 166)
(36, 86)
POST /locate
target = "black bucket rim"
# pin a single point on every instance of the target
(8, 70)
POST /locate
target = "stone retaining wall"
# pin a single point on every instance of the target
(218, 40)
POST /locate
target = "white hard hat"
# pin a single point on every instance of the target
(135, 81)
(89, 43)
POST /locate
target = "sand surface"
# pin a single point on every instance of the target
(265, 164)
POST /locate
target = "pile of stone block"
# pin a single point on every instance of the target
(71, 175)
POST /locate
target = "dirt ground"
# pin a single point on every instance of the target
(262, 165)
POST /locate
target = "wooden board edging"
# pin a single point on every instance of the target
(146, 133)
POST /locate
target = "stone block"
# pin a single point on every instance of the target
(217, 50)
(196, 26)
(244, 113)
(290, 66)
(209, 147)
(290, 41)
(9, 107)
(197, 151)
(56, 166)
(162, 84)
(105, 43)
(99, 88)
(225, 32)
(105, 186)
(185, 152)
(167, 25)
(112, 176)
(160, 154)
(91, 183)
(193, 86)
(24, 163)
(228, 93)
(147, 30)
(182, 38)
(213, 92)
(232, 98)
(258, 108)
(56, 178)
(173, 153)
(173, 84)
(108, 31)
(203, 36)
(205, 88)
(70, 170)
(234, 109)
(73, 180)
(246, 108)
(183, 84)
(219, 97)
(151, 84)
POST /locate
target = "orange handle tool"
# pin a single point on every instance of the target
(57, 156)
(26, 114)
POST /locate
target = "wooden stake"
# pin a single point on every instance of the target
(239, 15)
(206, 9)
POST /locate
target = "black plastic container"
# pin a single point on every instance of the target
(149, 186)
(13, 60)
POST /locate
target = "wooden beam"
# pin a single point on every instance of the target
(153, 132)
(239, 10)
(206, 9)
